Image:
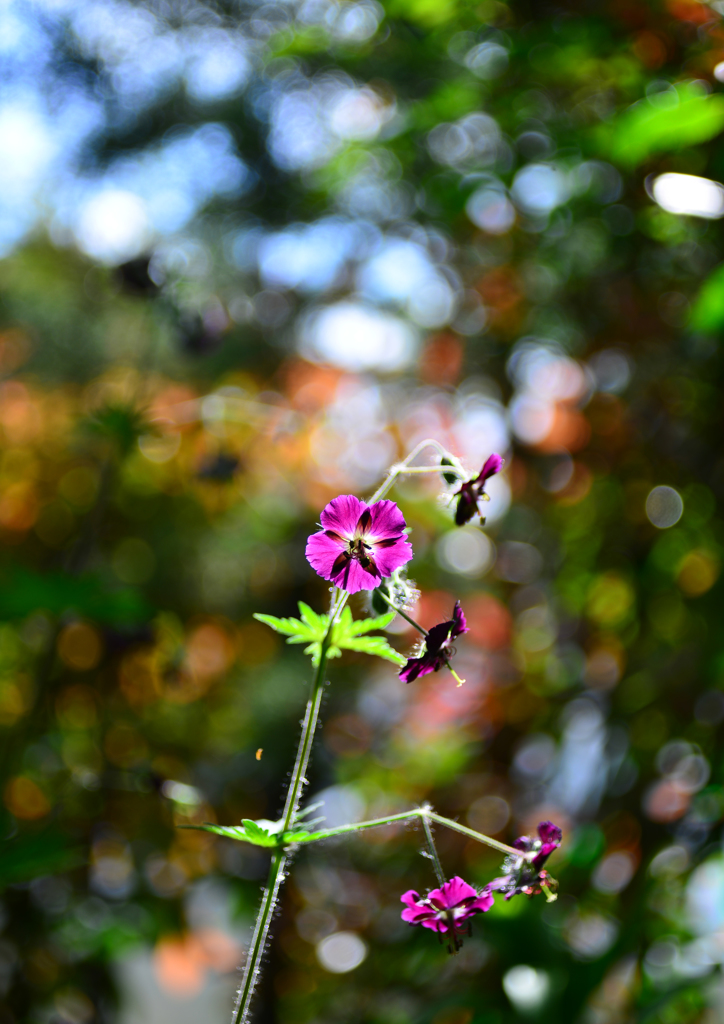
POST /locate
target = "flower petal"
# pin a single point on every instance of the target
(353, 578)
(459, 622)
(492, 465)
(467, 504)
(322, 552)
(417, 915)
(418, 667)
(389, 558)
(484, 902)
(385, 521)
(550, 833)
(437, 636)
(342, 514)
(457, 890)
(410, 898)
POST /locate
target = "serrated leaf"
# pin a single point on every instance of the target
(229, 831)
(315, 650)
(376, 645)
(367, 625)
(300, 632)
(318, 623)
(252, 828)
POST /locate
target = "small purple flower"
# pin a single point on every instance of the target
(359, 544)
(445, 909)
(472, 491)
(438, 647)
(525, 872)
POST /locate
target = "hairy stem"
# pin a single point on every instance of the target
(432, 849)
(252, 968)
(396, 608)
(309, 725)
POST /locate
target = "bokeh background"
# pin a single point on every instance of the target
(252, 253)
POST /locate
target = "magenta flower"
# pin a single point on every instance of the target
(359, 544)
(438, 647)
(525, 872)
(446, 909)
(472, 491)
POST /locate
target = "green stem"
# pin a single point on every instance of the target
(252, 968)
(404, 467)
(457, 827)
(359, 826)
(432, 849)
(415, 625)
(425, 812)
(309, 725)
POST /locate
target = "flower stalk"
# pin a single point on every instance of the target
(252, 967)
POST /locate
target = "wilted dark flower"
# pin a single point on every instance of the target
(438, 647)
(525, 872)
(472, 491)
(444, 910)
(359, 544)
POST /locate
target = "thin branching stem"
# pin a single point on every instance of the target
(432, 850)
(252, 967)
(455, 466)
(400, 611)
(417, 812)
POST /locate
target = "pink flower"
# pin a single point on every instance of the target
(359, 544)
(473, 490)
(438, 647)
(447, 908)
(525, 873)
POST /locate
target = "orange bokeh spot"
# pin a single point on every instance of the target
(667, 801)
(18, 506)
(139, 679)
(569, 430)
(650, 48)
(25, 799)
(178, 968)
(691, 10)
(442, 360)
(311, 387)
(20, 417)
(489, 621)
(209, 651)
(181, 961)
(80, 646)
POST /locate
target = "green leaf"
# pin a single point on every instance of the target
(258, 835)
(707, 312)
(367, 625)
(301, 632)
(376, 645)
(683, 117)
(311, 630)
(319, 623)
